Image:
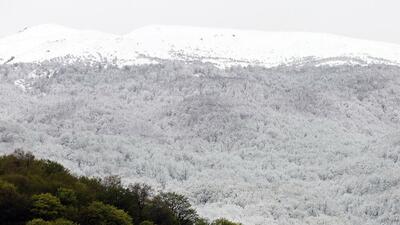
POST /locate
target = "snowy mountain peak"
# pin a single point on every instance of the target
(220, 46)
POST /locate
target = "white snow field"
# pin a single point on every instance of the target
(222, 47)
(308, 134)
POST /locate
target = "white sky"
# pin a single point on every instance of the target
(368, 19)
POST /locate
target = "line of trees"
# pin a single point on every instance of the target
(43, 192)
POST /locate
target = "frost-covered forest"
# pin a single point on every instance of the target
(286, 145)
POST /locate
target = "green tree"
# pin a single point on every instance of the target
(38, 222)
(13, 206)
(54, 222)
(156, 211)
(132, 199)
(146, 222)
(202, 221)
(67, 196)
(70, 201)
(98, 213)
(46, 206)
(181, 207)
(51, 167)
(27, 158)
(140, 194)
(223, 221)
(113, 192)
(62, 222)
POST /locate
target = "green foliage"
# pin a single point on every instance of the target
(67, 196)
(69, 199)
(18, 162)
(140, 194)
(46, 206)
(62, 222)
(223, 221)
(202, 221)
(54, 222)
(38, 222)
(6, 187)
(181, 207)
(41, 192)
(98, 213)
(146, 222)
(157, 212)
(113, 193)
(51, 167)
(13, 206)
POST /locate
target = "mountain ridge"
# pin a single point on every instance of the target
(223, 47)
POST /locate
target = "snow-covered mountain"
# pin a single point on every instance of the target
(296, 144)
(220, 46)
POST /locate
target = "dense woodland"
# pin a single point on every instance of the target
(301, 144)
(43, 192)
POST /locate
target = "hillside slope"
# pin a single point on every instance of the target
(280, 146)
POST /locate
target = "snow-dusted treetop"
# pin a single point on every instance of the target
(220, 46)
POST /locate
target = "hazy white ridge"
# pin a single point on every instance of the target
(220, 46)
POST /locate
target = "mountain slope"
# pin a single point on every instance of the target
(220, 46)
(315, 141)
(281, 146)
